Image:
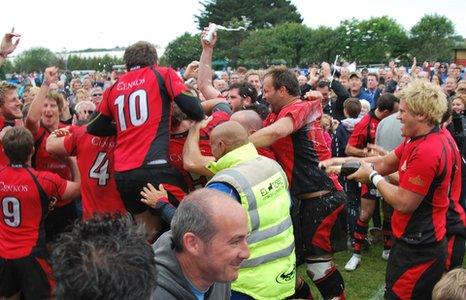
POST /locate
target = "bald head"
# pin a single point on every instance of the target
(231, 133)
(200, 213)
(249, 119)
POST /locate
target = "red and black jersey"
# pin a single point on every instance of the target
(24, 208)
(316, 135)
(177, 142)
(456, 217)
(364, 131)
(95, 162)
(425, 167)
(296, 152)
(44, 161)
(142, 110)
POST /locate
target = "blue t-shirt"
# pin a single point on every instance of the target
(197, 293)
(226, 188)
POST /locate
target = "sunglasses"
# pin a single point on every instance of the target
(88, 112)
(96, 95)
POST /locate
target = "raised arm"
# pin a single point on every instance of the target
(204, 80)
(35, 109)
(193, 160)
(270, 134)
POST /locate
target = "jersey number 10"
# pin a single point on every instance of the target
(137, 108)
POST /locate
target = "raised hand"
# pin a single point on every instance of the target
(212, 41)
(151, 195)
(50, 75)
(8, 46)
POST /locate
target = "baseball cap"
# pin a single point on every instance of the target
(352, 74)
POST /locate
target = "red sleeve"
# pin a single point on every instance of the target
(359, 135)
(218, 118)
(300, 113)
(104, 107)
(399, 150)
(39, 133)
(421, 169)
(72, 140)
(52, 184)
(175, 85)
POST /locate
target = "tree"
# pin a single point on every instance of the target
(5, 68)
(183, 50)
(432, 38)
(100, 63)
(294, 42)
(260, 13)
(35, 59)
(323, 45)
(371, 41)
(260, 48)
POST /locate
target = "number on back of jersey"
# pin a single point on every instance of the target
(99, 169)
(11, 211)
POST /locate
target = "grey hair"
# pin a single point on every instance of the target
(195, 215)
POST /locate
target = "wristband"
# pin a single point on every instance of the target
(163, 199)
(376, 179)
(372, 174)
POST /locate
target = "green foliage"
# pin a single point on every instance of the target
(6, 67)
(183, 50)
(432, 38)
(259, 49)
(257, 14)
(35, 59)
(294, 41)
(103, 63)
(371, 41)
(323, 45)
(260, 13)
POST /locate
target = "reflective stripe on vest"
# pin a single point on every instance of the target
(259, 235)
(268, 257)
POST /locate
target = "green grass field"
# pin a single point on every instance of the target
(366, 282)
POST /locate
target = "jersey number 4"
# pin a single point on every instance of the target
(11, 211)
(99, 169)
(137, 107)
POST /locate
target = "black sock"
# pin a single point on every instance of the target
(331, 285)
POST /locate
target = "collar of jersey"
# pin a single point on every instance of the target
(232, 158)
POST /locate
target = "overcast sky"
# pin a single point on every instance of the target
(81, 24)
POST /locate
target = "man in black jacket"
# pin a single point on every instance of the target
(202, 253)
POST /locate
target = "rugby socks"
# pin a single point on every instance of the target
(360, 234)
(332, 285)
(303, 292)
(326, 277)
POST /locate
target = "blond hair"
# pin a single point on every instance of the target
(452, 286)
(251, 73)
(4, 87)
(423, 97)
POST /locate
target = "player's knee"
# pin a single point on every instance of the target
(318, 268)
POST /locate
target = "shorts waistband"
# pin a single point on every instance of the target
(313, 195)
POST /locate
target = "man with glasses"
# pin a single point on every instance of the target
(96, 95)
